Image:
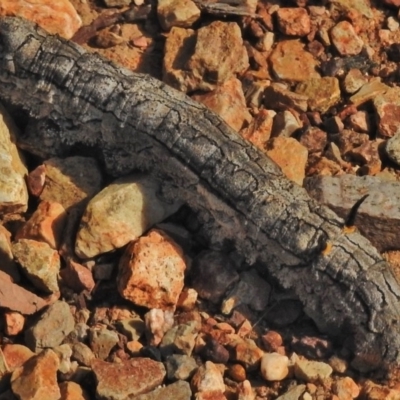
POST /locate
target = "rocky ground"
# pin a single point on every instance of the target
(107, 293)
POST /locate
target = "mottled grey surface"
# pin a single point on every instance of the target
(79, 103)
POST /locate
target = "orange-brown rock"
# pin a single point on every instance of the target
(151, 271)
(54, 16)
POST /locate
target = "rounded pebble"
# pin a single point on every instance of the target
(274, 367)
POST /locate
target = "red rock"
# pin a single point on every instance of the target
(237, 372)
(128, 378)
(16, 298)
(259, 130)
(208, 378)
(45, 225)
(227, 100)
(290, 62)
(37, 378)
(56, 17)
(291, 156)
(183, 13)
(14, 323)
(151, 271)
(77, 277)
(36, 180)
(294, 21)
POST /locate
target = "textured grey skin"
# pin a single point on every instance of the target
(82, 103)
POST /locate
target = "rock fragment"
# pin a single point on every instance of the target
(58, 17)
(345, 39)
(293, 21)
(387, 108)
(290, 62)
(40, 263)
(182, 13)
(133, 377)
(120, 213)
(36, 379)
(54, 324)
(151, 272)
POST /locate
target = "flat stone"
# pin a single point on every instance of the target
(117, 3)
(293, 21)
(53, 325)
(322, 93)
(290, 62)
(369, 91)
(311, 371)
(13, 190)
(182, 13)
(151, 272)
(36, 379)
(179, 390)
(16, 298)
(45, 225)
(56, 17)
(387, 108)
(378, 217)
(212, 275)
(294, 393)
(133, 377)
(71, 181)
(120, 213)
(290, 155)
(40, 263)
(228, 101)
(345, 39)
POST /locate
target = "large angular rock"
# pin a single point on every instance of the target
(128, 378)
(37, 378)
(290, 62)
(40, 263)
(71, 181)
(51, 328)
(13, 191)
(56, 17)
(151, 272)
(120, 213)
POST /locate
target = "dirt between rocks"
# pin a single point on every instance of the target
(107, 293)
